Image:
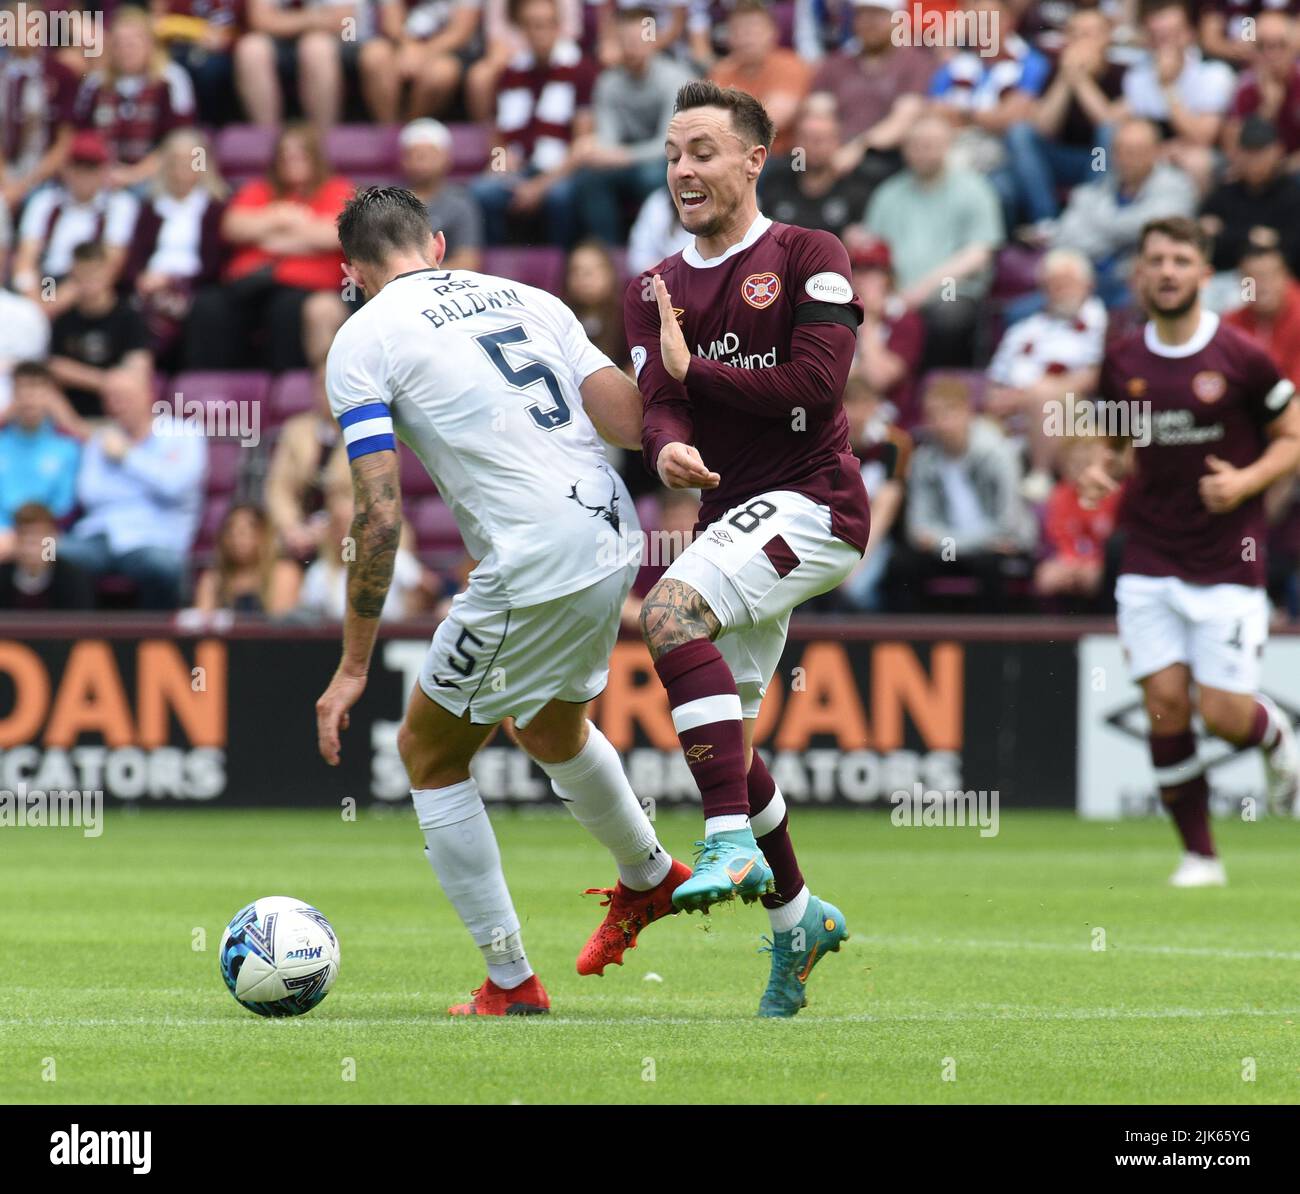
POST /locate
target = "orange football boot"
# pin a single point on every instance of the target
(527, 999)
(629, 912)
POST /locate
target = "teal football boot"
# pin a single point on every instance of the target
(794, 954)
(726, 865)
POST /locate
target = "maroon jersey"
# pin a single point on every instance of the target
(1215, 398)
(536, 103)
(37, 94)
(773, 326)
(133, 114)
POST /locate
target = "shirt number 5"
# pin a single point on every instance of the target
(547, 418)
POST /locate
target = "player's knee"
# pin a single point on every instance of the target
(1222, 715)
(1168, 709)
(550, 744)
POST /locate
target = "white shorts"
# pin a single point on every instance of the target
(498, 663)
(753, 566)
(1219, 631)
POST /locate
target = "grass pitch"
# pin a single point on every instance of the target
(974, 973)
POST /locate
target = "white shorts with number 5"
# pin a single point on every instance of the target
(753, 566)
(491, 664)
(1219, 631)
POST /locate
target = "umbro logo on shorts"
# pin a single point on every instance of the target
(700, 753)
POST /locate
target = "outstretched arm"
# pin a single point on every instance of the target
(614, 405)
(372, 547)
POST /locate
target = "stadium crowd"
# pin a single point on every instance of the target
(167, 237)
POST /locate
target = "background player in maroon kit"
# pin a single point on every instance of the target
(1219, 427)
(742, 344)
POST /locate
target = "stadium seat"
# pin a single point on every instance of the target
(205, 541)
(436, 534)
(244, 151)
(542, 267)
(783, 14)
(290, 394)
(1015, 271)
(365, 153)
(416, 482)
(217, 389)
(225, 458)
(469, 149)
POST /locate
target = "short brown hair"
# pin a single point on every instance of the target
(748, 117)
(31, 514)
(33, 371)
(515, 9)
(90, 250)
(314, 144)
(1183, 229)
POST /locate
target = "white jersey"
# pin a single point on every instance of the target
(480, 376)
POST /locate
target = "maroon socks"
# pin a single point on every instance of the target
(706, 715)
(1186, 795)
(770, 823)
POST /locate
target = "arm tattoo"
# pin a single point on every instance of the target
(673, 613)
(376, 529)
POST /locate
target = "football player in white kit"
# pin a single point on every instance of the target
(498, 391)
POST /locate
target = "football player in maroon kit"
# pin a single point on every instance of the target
(1216, 426)
(742, 345)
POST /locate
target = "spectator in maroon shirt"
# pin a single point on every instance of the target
(892, 336)
(177, 245)
(537, 139)
(57, 218)
(1222, 31)
(878, 85)
(1271, 87)
(136, 100)
(37, 96)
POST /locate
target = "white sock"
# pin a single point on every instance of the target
(784, 917)
(462, 849)
(725, 824)
(594, 787)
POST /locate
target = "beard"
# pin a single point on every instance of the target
(714, 224)
(1175, 309)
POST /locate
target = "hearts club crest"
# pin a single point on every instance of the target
(760, 290)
